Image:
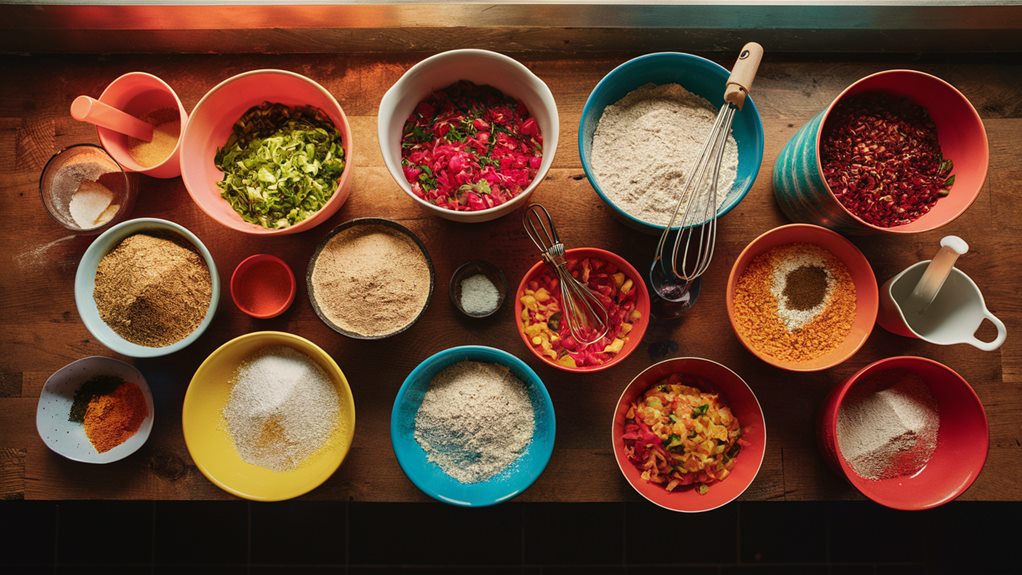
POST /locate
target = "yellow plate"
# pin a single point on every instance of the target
(212, 447)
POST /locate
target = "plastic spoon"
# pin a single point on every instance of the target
(937, 271)
(91, 110)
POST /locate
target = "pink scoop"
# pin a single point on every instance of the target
(93, 111)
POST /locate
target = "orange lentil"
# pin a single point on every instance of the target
(756, 308)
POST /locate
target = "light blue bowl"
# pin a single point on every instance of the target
(85, 284)
(428, 476)
(697, 75)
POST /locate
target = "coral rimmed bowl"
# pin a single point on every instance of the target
(428, 476)
(962, 437)
(698, 75)
(638, 326)
(712, 377)
(211, 123)
(211, 445)
(482, 67)
(804, 195)
(85, 285)
(866, 292)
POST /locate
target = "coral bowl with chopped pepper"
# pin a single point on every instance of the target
(539, 313)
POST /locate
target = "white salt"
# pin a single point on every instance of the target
(478, 295)
(282, 408)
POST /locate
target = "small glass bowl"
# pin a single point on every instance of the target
(69, 168)
(471, 268)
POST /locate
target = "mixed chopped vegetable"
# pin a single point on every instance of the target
(281, 164)
(543, 318)
(469, 147)
(680, 436)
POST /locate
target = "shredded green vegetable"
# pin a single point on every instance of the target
(281, 164)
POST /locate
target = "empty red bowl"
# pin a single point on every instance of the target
(962, 437)
(263, 286)
(736, 394)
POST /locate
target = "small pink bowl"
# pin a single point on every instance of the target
(962, 439)
(138, 94)
(263, 286)
(211, 123)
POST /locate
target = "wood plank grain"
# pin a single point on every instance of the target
(40, 330)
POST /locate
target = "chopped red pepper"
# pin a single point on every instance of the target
(469, 147)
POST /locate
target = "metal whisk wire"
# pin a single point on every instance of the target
(586, 315)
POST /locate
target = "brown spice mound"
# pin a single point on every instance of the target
(757, 320)
(152, 291)
(370, 280)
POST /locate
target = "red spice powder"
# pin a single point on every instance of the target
(881, 158)
(111, 419)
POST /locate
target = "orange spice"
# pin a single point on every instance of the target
(756, 307)
(111, 419)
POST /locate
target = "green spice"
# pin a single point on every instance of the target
(281, 164)
(99, 385)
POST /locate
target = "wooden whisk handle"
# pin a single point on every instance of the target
(740, 82)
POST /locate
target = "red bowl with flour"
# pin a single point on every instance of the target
(961, 435)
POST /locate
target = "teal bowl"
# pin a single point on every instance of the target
(85, 284)
(428, 476)
(697, 75)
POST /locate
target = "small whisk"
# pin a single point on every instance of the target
(585, 313)
(697, 233)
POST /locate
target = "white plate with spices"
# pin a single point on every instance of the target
(68, 438)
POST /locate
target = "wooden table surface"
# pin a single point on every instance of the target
(40, 330)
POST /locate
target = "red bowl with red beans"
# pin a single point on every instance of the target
(540, 321)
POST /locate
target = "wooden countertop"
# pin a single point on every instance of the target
(40, 330)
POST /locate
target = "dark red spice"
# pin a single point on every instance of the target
(469, 147)
(881, 158)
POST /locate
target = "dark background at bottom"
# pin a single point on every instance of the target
(237, 537)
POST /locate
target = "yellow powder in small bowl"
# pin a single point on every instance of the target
(166, 130)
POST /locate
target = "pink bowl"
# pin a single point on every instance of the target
(962, 439)
(744, 405)
(210, 125)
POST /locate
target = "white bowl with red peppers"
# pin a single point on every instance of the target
(468, 134)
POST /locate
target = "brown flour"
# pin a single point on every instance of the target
(370, 280)
(152, 291)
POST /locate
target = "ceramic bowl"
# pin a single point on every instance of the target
(481, 67)
(642, 304)
(866, 291)
(138, 94)
(211, 123)
(804, 195)
(398, 228)
(714, 378)
(211, 445)
(699, 76)
(962, 437)
(428, 476)
(472, 268)
(67, 437)
(263, 286)
(85, 284)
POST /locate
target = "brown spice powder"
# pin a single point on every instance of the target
(370, 280)
(757, 320)
(152, 290)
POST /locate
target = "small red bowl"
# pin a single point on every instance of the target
(642, 304)
(263, 286)
(736, 394)
(962, 438)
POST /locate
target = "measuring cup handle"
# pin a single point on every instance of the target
(1002, 334)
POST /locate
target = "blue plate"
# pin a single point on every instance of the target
(697, 75)
(428, 476)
